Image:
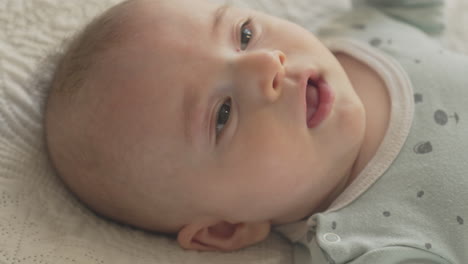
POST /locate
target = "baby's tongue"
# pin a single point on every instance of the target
(312, 100)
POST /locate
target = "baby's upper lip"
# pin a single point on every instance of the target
(312, 75)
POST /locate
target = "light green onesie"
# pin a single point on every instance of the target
(410, 204)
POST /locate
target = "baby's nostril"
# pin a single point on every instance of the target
(281, 57)
(275, 81)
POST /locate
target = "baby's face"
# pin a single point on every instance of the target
(218, 97)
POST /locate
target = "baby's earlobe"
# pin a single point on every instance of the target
(222, 236)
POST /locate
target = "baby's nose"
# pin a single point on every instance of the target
(266, 69)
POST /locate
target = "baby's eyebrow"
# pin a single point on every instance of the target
(219, 15)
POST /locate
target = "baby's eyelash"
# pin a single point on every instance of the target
(247, 22)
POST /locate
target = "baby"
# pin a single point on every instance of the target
(218, 124)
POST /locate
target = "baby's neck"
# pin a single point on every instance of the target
(374, 95)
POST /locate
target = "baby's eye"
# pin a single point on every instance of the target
(223, 116)
(246, 35)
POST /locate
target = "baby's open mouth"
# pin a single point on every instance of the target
(312, 99)
(319, 100)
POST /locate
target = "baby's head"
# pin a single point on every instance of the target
(206, 120)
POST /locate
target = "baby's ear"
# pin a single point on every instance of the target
(222, 236)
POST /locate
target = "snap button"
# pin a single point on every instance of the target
(332, 238)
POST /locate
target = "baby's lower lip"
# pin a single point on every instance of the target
(324, 104)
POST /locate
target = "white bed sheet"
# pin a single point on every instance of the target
(40, 221)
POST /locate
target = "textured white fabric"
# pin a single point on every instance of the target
(40, 221)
